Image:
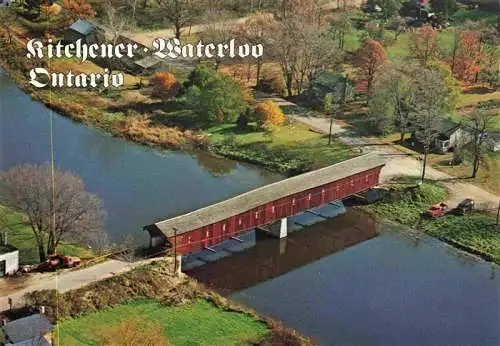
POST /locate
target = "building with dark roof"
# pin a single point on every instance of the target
(84, 30)
(32, 330)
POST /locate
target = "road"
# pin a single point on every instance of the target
(67, 280)
(397, 163)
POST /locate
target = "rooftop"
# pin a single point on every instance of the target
(27, 328)
(254, 198)
(6, 249)
(82, 26)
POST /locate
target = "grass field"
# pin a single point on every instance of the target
(294, 146)
(20, 235)
(198, 323)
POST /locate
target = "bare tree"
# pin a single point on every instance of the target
(114, 21)
(179, 12)
(57, 206)
(256, 30)
(219, 30)
(480, 123)
(7, 18)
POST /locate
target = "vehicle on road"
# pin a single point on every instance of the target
(436, 210)
(464, 207)
(55, 262)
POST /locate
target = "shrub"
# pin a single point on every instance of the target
(272, 85)
(164, 85)
(268, 113)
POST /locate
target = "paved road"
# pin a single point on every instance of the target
(68, 280)
(397, 162)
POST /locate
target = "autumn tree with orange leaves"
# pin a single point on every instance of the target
(268, 114)
(164, 85)
(423, 44)
(79, 9)
(469, 57)
(370, 58)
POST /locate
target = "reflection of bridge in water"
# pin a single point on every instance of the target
(274, 257)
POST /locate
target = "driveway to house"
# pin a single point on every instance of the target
(66, 280)
(398, 163)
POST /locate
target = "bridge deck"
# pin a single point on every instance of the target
(266, 194)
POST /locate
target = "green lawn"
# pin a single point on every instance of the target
(477, 231)
(20, 235)
(291, 148)
(198, 323)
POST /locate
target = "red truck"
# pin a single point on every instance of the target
(55, 262)
(436, 210)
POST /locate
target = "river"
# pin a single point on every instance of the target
(348, 280)
(138, 185)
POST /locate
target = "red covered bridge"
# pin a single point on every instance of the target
(211, 225)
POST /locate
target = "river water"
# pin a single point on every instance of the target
(138, 185)
(345, 281)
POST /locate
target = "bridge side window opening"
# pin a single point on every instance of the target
(293, 201)
(272, 209)
(309, 197)
(256, 214)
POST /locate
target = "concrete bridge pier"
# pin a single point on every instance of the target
(278, 229)
(178, 265)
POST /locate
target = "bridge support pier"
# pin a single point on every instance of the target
(278, 229)
(178, 265)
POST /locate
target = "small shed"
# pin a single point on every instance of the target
(84, 30)
(32, 330)
(9, 260)
(147, 65)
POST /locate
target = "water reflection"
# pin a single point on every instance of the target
(274, 257)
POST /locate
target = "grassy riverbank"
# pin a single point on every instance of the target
(476, 233)
(185, 312)
(131, 113)
(20, 235)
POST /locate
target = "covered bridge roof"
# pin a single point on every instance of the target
(265, 194)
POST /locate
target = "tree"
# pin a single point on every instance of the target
(218, 98)
(398, 25)
(370, 58)
(428, 106)
(340, 25)
(179, 12)
(390, 8)
(256, 30)
(445, 7)
(79, 9)
(219, 30)
(268, 113)
(423, 44)
(7, 18)
(469, 56)
(393, 97)
(480, 123)
(132, 332)
(56, 209)
(164, 85)
(114, 21)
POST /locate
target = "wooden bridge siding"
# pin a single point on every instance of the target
(218, 232)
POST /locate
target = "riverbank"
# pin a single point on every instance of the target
(20, 235)
(178, 302)
(131, 113)
(475, 233)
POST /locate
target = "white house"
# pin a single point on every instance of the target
(9, 260)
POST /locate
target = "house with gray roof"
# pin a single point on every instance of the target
(84, 30)
(32, 330)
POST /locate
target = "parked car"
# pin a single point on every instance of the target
(436, 210)
(55, 262)
(466, 206)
